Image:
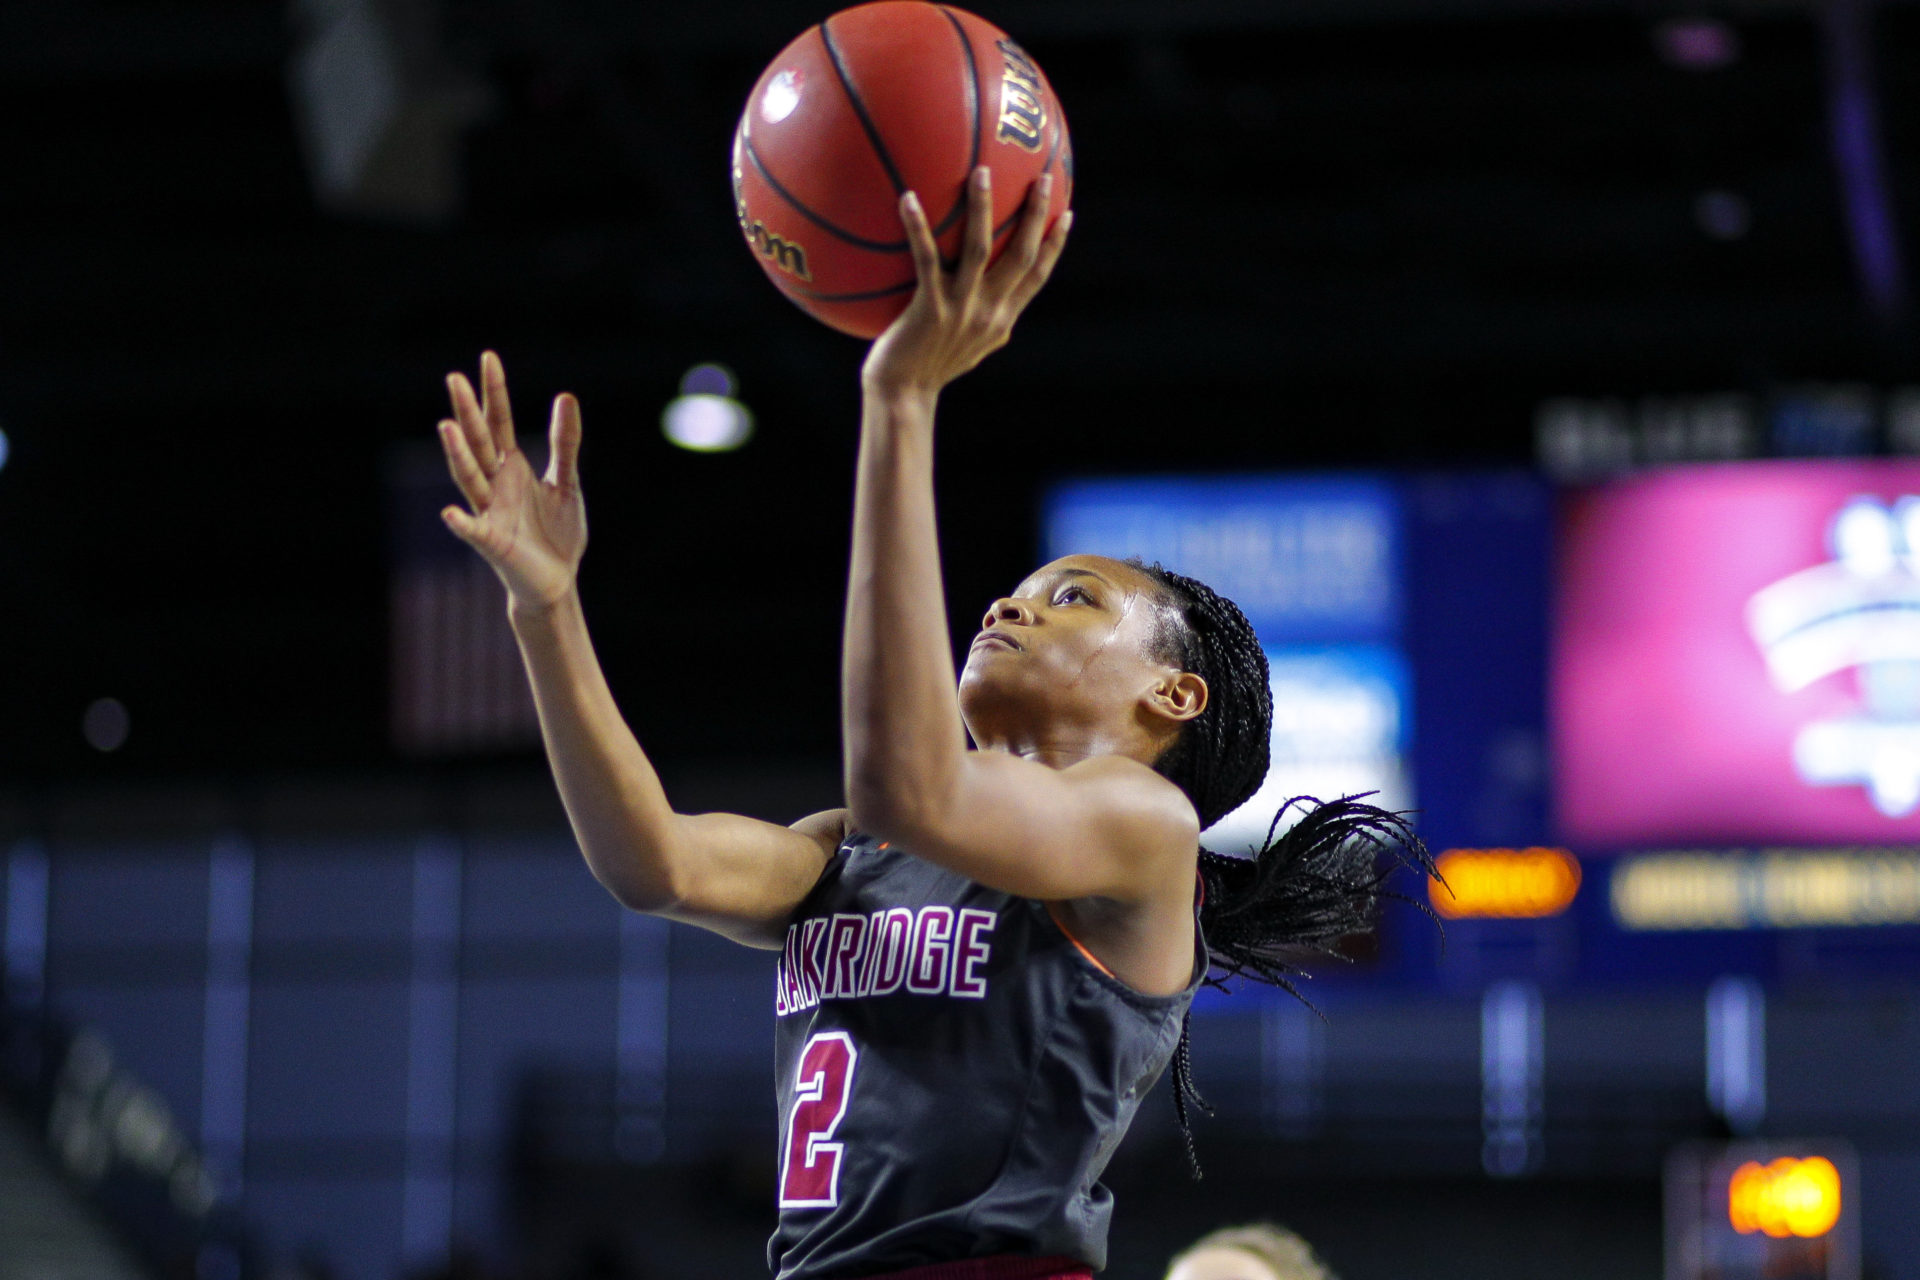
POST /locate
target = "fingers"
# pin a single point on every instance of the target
(473, 423)
(467, 472)
(498, 411)
(1049, 254)
(486, 418)
(977, 245)
(926, 254)
(1033, 223)
(1056, 241)
(474, 533)
(1014, 273)
(563, 446)
(464, 527)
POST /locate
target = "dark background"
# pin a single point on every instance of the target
(1352, 235)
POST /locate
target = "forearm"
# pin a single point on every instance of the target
(904, 741)
(625, 827)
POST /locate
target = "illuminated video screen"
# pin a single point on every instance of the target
(1736, 657)
(1403, 618)
(1315, 564)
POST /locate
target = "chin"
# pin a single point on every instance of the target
(998, 695)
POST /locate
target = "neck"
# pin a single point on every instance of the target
(1059, 749)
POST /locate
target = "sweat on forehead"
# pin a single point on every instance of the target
(1169, 641)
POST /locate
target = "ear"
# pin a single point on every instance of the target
(1179, 696)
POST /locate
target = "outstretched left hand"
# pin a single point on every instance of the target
(958, 318)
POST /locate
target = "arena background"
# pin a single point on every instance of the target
(304, 977)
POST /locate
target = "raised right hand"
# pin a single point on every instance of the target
(531, 529)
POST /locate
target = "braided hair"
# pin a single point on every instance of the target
(1307, 887)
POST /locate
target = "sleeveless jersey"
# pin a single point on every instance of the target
(953, 1073)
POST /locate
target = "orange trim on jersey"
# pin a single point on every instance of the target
(1199, 900)
(1092, 959)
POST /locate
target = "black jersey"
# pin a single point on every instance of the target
(953, 1071)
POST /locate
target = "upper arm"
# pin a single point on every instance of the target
(1108, 827)
(742, 877)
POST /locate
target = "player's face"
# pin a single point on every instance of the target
(1073, 646)
(1222, 1264)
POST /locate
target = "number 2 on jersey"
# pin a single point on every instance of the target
(810, 1165)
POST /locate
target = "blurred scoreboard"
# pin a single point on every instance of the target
(1737, 657)
(1662, 725)
(1316, 564)
(1403, 619)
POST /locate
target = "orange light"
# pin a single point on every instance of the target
(1505, 883)
(1787, 1197)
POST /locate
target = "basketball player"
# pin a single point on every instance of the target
(986, 958)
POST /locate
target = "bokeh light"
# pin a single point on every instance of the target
(1697, 44)
(1723, 215)
(705, 418)
(105, 724)
(707, 380)
(1785, 1197)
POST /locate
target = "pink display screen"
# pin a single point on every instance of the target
(1737, 657)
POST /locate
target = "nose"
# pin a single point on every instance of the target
(1007, 609)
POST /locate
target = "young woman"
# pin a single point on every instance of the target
(987, 956)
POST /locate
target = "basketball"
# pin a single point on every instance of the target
(873, 102)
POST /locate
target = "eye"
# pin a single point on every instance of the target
(1068, 595)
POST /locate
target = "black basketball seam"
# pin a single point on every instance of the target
(973, 96)
(858, 242)
(1059, 136)
(860, 110)
(865, 296)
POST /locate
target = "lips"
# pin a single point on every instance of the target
(996, 639)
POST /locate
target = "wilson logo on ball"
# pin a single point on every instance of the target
(1023, 111)
(781, 252)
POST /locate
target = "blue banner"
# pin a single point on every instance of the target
(1310, 559)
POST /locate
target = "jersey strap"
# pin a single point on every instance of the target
(1005, 1267)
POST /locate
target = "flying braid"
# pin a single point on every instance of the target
(1307, 887)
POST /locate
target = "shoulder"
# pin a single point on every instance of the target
(1131, 796)
(1144, 936)
(1142, 823)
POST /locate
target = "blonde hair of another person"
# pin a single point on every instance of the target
(1256, 1251)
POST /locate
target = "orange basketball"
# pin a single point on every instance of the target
(876, 101)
